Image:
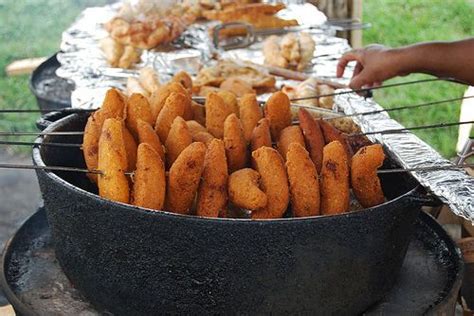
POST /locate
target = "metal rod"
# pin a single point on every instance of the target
(399, 108)
(67, 110)
(51, 168)
(374, 88)
(413, 128)
(72, 169)
(432, 168)
(3, 142)
(41, 133)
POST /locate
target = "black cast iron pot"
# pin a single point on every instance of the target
(132, 260)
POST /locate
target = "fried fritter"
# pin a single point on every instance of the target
(313, 136)
(147, 135)
(159, 96)
(331, 134)
(277, 111)
(178, 139)
(174, 106)
(149, 185)
(274, 183)
(137, 108)
(183, 179)
(289, 135)
(250, 114)
(244, 190)
(113, 106)
(334, 179)
(195, 127)
(212, 192)
(365, 182)
(203, 137)
(235, 143)
(113, 184)
(130, 148)
(230, 100)
(184, 79)
(304, 182)
(216, 113)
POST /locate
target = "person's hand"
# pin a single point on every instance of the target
(375, 64)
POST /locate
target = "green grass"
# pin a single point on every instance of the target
(397, 23)
(32, 28)
(29, 28)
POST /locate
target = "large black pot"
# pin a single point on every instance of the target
(132, 260)
(51, 91)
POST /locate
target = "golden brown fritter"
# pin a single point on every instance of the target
(365, 182)
(304, 182)
(278, 112)
(138, 108)
(331, 134)
(159, 96)
(149, 185)
(174, 106)
(334, 179)
(235, 144)
(313, 136)
(244, 189)
(203, 137)
(250, 114)
(178, 139)
(212, 192)
(289, 135)
(274, 183)
(216, 113)
(183, 179)
(113, 184)
(230, 100)
(113, 106)
(147, 135)
(130, 148)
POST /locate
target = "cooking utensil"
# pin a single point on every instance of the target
(251, 34)
(34, 283)
(136, 261)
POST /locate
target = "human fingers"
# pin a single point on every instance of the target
(345, 59)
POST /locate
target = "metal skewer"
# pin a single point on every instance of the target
(432, 168)
(51, 168)
(413, 128)
(80, 170)
(398, 108)
(67, 110)
(2, 142)
(41, 133)
(374, 88)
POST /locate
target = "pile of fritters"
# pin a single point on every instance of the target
(259, 15)
(228, 75)
(165, 152)
(292, 51)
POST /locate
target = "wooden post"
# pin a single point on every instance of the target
(343, 9)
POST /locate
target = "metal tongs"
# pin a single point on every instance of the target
(250, 34)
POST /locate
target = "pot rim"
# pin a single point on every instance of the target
(38, 160)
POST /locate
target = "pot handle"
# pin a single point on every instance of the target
(421, 197)
(49, 118)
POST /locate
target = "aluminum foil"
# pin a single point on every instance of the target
(453, 187)
(83, 63)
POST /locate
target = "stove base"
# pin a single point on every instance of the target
(35, 284)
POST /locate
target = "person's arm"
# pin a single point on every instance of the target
(377, 63)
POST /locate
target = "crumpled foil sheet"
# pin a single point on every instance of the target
(453, 187)
(82, 62)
